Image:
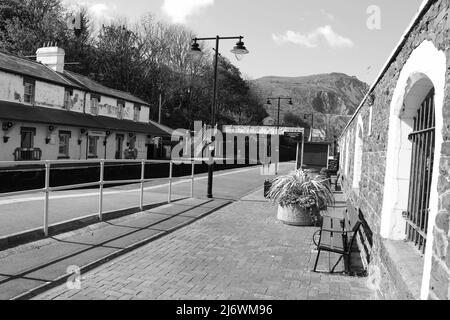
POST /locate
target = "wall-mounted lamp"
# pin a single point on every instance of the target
(51, 128)
(47, 140)
(7, 125)
(5, 139)
(79, 142)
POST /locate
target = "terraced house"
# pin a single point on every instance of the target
(49, 113)
(395, 163)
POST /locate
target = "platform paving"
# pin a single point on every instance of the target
(238, 252)
(29, 268)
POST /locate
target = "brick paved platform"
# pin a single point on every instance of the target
(239, 252)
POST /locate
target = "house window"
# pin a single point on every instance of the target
(94, 106)
(29, 91)
(92, 147)
(132, 142)
(64, 141)
(27, 138)
(137, 113)
(67, 95)
(120, 109)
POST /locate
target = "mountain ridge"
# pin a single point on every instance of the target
(332, 98)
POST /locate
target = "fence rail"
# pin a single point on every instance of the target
(101, 183)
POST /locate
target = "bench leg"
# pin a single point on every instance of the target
(336, 264)
(347, 264)
(317, 260)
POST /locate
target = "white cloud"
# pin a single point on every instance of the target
(180, 10)
(312, 39)
(100, 11)
(309, 40)
(335, 40)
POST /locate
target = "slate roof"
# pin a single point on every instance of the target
(96, 87)
(33, 69)
(39, 71)
(12, 111)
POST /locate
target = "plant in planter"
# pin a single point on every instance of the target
(300, 196)
(325, 173)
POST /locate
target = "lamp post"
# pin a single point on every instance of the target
(239, 50)
(279, 99)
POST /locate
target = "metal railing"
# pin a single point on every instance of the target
(23, 154)
(101, 183)
(422, 160)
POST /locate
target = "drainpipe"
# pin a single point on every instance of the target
(87, 135)
(87, 145)
(84, 103)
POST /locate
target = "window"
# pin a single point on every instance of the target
(67, 95)
(92, 147)
(120, 109)
(94, 106)
(27, 138)
(370, 121)
(29, 91)
(422, 159)
(132, 142)
(119, 145)
(137, 113)
(64, 141)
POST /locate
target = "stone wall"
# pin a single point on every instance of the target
(434, 26)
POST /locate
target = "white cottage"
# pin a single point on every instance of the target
(49, 113)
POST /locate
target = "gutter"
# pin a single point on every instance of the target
(426, 4)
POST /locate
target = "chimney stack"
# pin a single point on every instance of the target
(52, 56)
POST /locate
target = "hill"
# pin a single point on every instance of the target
(331, 98)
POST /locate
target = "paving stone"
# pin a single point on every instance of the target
(239, 252)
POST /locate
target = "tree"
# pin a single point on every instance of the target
(292, 120)
(148, 59)
(30, 23)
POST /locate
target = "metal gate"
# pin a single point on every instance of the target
(423, 141)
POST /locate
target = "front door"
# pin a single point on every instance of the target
(27, 143)
(119, 146)
(27, 138)
(423, 141)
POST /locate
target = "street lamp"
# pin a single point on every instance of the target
(239, 51)
(269, 102)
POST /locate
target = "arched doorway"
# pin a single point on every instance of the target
(357, 163)
(422, 141)
(410, 202)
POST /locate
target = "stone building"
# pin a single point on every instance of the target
(49, 113)
(395, 163)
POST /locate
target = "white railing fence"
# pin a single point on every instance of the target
(101, 183)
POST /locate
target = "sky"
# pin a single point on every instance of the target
(285, 37)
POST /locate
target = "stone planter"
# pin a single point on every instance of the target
(295, 216)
